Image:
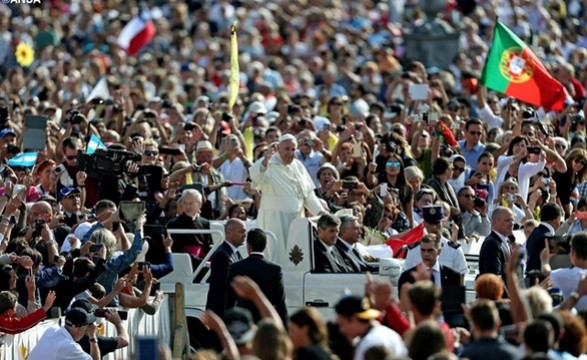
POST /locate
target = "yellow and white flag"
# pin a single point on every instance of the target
(234, 81)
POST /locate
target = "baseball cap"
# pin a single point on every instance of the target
(65, 192)
(356, 305)
(5, 132)
(84, 305)
(79, 317)
(239, 323)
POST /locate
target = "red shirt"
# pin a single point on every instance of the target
(14, 325)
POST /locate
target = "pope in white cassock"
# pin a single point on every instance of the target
(286, 190)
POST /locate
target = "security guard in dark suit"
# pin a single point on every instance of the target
(442, 276)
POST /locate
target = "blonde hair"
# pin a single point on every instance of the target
(413, 171)
(105, 237)
(271, 342)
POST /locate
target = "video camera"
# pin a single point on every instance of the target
(106, 162)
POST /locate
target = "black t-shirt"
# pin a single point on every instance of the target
(107, 344)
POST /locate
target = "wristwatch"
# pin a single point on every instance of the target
(94, 340)
(575, 296)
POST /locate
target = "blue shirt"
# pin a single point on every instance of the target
(472, 156)
(312, 163)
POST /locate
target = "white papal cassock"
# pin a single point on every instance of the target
(286, 190)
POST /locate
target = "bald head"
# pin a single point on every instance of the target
(41, 210)
(235, 231)
(502, 221)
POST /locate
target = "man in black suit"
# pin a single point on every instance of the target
(485, 330)
(195, 245)
(266, 274)
(550, 219)
(225, 255)
(440, 275)
(495, 250)
(327, 258)
(349, 235)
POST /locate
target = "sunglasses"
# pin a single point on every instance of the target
(71, 157)
(459, 169)
(468, 196)
(336, 104)
(394, 164)
(151, 153)
(582, 161)
(479, 133)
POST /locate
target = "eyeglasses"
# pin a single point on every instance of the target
(582, 161)
(459, 169)
(394, 164)
(151, 153)
(478, 133)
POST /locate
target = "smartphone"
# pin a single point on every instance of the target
(349, 185)
(509, 331)
(546, 181)
(155, 232)
(100, 313)
(167, 150)
(131, 210)
(357, 150)
(512, 198)
(96, 247)
(533, 150)
(383, 190)
(233, 142)
(143, 264)
(581, 215)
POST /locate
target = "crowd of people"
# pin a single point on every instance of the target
(325, 125)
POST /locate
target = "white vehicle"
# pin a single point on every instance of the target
(303, 287)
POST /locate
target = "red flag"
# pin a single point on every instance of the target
(410, 237)
(137, 33)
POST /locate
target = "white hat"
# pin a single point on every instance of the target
(288, 137)
(204, 145)
(321, 123)
(257, 107)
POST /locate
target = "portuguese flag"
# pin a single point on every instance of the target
(513, 69)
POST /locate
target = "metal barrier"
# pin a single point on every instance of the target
(199, 232)
(17, 347)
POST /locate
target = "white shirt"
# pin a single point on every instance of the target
(436, 273)
(494, 121)
(525, 172)
(234, 171)
(449, 256)
(57, 344)
(567, 280)
(384, 336)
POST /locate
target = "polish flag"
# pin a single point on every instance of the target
(137, 33)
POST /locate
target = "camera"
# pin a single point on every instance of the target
(197, 168)
(478, 202)
(77, 119)
(349, 185)
(226, 116)
(38, 226)
(166, 104)
(340, 128)
(106, 162)
(546, 181)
